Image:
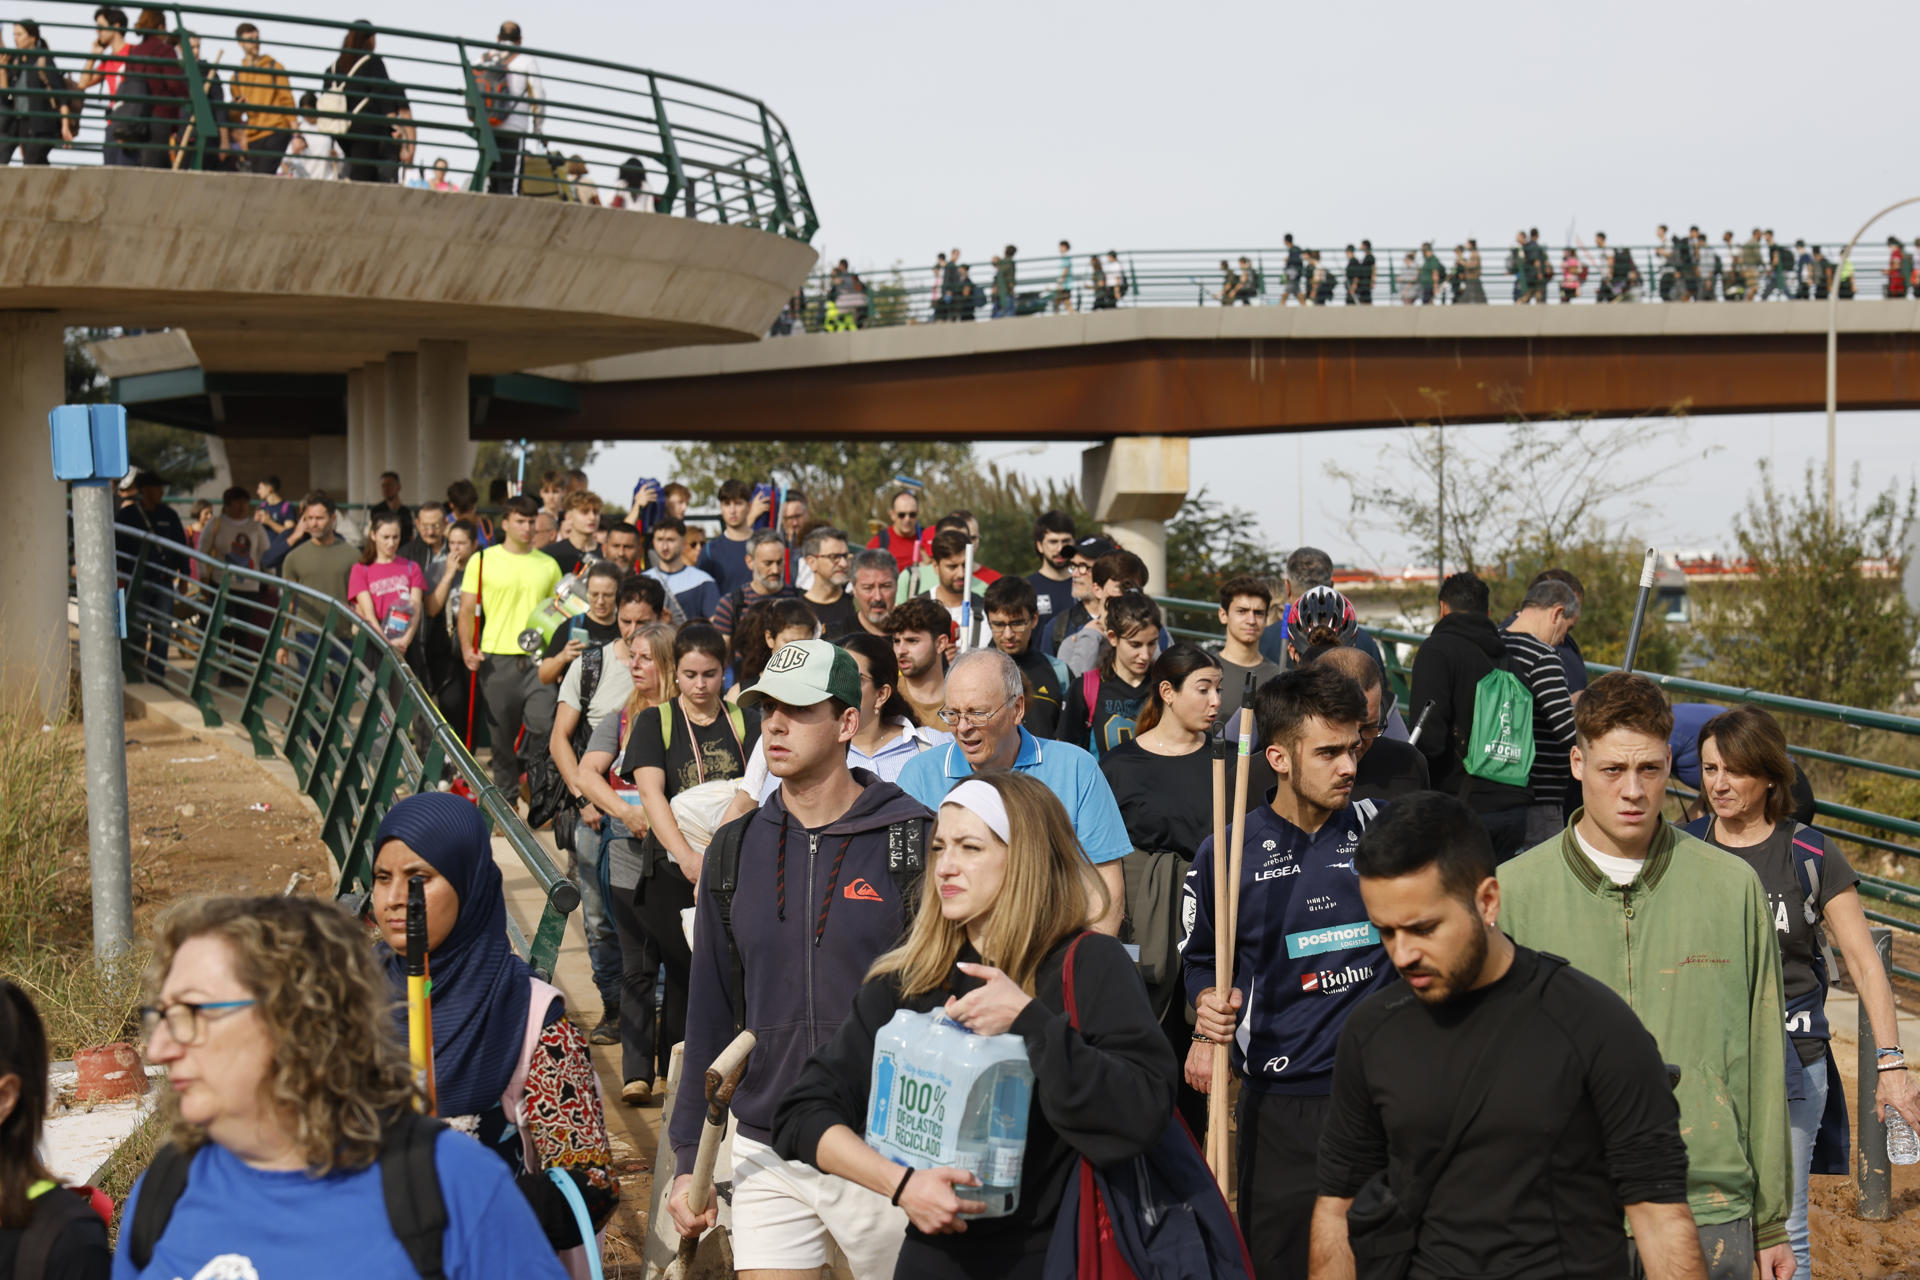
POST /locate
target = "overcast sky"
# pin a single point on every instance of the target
(926, 125)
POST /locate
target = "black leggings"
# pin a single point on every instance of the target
(643, 1055)
(661, 897)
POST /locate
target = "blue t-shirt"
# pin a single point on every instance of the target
(1069, 772)
(725, 561)
(238, 1223)
(693, 588)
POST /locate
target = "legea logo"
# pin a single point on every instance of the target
(1338, 937)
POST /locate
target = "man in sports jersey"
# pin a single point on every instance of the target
(781, 951)
(1304, 955)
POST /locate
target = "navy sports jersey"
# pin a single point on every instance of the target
(1305, 952)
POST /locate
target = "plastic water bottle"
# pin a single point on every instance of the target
(1902, 1146)
(943, 1096)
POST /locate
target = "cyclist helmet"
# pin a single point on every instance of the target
(1324, 617)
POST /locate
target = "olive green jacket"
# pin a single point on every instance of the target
(1689, 944)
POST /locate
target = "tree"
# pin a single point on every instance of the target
(1541, 489)
(1207, 544)
(500, 460)
(1823, 616)
(846, 481)
(1006, 505)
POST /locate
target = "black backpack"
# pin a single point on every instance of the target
(720, 873)
(127, 117)
(408, 1180)
(551, 800)
(53, 1212)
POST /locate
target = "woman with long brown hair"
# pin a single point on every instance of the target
(642, 1058)
(1008, 895)
(44, 1229)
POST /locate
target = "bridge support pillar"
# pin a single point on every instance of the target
(366, 431)
(444, 445)
(402, 421)
(1134, 485)
(33, 577)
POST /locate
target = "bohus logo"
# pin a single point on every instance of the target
(1338, 937)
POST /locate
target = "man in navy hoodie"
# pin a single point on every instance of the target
(1304, 955)
(815, 902)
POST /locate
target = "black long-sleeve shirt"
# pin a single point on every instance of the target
(1104, 1091)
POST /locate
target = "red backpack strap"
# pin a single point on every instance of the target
(1066, 983)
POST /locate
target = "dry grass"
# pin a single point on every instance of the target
(45, 914)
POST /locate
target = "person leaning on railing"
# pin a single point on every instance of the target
(33, 120)
(380, 134)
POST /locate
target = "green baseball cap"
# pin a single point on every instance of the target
(805, 672)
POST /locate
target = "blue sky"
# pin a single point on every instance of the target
(926, 125)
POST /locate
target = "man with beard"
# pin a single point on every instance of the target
(1304, 955)
(874, 576)
(825, 552)
(1524, 1105)
(1053, 539)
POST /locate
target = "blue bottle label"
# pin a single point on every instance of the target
(882, 1097)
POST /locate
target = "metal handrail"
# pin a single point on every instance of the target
(901, 294)
(344, 722)
(728, 154)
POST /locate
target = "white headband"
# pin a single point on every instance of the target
(981, 800)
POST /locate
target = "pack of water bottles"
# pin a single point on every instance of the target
(943, 1096)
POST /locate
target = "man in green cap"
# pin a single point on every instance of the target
(796, 900)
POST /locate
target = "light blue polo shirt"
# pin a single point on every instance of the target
(1069, 772)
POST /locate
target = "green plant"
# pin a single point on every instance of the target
(1822, 615)
(42, 812)
(1207, 543)
(500, 460)
(846, 481)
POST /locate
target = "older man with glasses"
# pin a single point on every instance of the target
(985, 704)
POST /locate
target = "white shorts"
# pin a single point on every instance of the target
(787, 1215)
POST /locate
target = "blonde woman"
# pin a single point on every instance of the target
(285, 1077)
(1008, 891)
(650, 662)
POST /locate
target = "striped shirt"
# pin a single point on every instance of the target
(1539, 668)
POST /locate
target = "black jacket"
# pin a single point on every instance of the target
(811, 912)
(1462, 648)
(1104, 1092)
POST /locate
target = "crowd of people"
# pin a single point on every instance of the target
(1684, 266)
(1486, 1009)
(358, 124)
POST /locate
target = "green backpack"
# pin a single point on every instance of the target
(1500, 748)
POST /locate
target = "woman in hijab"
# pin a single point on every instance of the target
(508, 1067)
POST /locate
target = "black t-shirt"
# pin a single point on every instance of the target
(1772, 861)
(836, 619)
(1167, 801)
(1045, 693)
(1580, 1122)
(722, 752)
(1109, 721)
(1389, 769)
(598, 633)
(566, 555)
(1055, 598)
(79, 1252)
(1233, 684)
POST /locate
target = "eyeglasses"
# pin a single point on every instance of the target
(1010, 624)
(186, 1022)
(1078, 569)
(977, 719)
(835, 556)
(907, 515)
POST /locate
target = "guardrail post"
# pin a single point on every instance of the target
(676, 177)
(204, 125)
(483, 138)
(332, 736)
(251, 716)
(1872, 1171)
(197, 691)
(719, 199)
(781, 208)
(812, 223)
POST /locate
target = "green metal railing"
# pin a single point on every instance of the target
(1040, 283)
(1880, 832)
(310, 680)
(655, 141)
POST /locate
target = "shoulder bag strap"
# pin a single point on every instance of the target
(410, 1186)
(165, 1181)
(1414, 1202)
(53, 1211)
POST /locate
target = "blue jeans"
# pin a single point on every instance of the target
(590, 876)
(1804, 1117)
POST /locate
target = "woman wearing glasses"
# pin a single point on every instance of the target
(285, 1077)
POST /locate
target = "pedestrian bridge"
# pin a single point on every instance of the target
(1188, 371)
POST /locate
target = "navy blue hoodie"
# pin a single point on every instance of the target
(806, 950)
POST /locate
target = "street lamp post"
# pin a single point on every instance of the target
(1833, 348)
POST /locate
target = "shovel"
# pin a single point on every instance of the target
(723, 1077)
